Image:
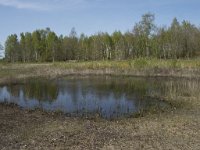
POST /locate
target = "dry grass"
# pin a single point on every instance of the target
(178, 128)
(137, 67)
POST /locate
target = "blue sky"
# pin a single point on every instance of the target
(89, 16)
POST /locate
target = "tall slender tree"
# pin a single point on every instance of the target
(1, 51)
(179, 40)
(12, 48)
(52, 46)
(143, 32)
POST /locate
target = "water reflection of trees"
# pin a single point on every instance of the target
(35, 89)
(138, 87)
(103, 87)
(108, 96)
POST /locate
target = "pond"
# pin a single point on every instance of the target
(105, 96)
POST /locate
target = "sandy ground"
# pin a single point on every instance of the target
(175, 129)
(178, 128)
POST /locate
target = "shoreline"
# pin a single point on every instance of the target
(12, 72)
(177, 128)
(36, 129)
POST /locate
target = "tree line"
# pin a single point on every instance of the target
(179, 40)
(1, 51)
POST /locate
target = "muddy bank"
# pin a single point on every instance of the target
(178, 128)
(25, 129)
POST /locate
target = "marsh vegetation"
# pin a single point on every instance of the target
(175, 127)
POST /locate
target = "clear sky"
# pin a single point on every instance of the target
(89, 16)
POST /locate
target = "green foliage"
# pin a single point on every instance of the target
(1, 51)
(140, 63)
(180, 40)
(12, 48)
(1, 47)
(174, 63)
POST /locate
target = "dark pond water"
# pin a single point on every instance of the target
(109, 97)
